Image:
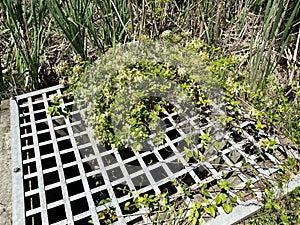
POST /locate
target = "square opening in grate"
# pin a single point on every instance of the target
(173, 134)
(235, 156)
(126, 153)
(168, 187)
(95, 181)
(166, 152)
(250, 149)
(79, 206)
(48, 163)
(100, 197)
(58, 121)
(41, 126)
(30, 184)
(24, 119)
(34, 219)
(219, 164)
(24, 109)
(233, 178)
(202, 172)
(29, 168)
(28, 154)
(51, 178)
(75, 188)
(121, 190)
(109, 159)
(77, 127)
(72, 171)
(32, 202)
(150, 159)
(91, 165)
(68, 157)
(56, 214)
(83, 221)
(54, 195)
(140, 181)
(46, 149)
(25, 130)
(167, 122)
(38, 106)
(40, 116)
(86, 152)
(236, 136)
(133, 166)
(26, 141)
(64, 144)
(115, 174)
(44, 137)
(175, 166)
(158, 174)
(61, 132)
(132, 208)
(187, 179)
(36, 98)
(82, 139)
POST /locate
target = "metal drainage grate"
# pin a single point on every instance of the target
(61, 174)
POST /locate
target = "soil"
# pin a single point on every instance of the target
(5, 169)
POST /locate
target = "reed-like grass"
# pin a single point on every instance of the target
(26, 22)
(259, 28)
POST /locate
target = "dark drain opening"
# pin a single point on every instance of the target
(95, 181)
(42, 126)
(30, 184)
(71, 172)
(46, 149)
(26, 141)
(29, 168)
(51, 178)
(79, 206)
(34, 219)
(83, 221)
(75, 188)
(54, 195)
(28, 154)
(26, 129)
(99, 196)
(32, 202)
(56, 214)
(48, 163)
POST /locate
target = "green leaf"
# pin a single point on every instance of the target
(267, 192)
(223, 197)
(206, 201)
(276, 206)
(210, 210)
(218, 200)
(284, 217)
(227, 208)
(195, 220)
(126, 206)
(268, 205)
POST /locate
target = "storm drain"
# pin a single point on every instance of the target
(62, 176)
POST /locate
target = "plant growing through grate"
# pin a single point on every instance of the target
(67, 177)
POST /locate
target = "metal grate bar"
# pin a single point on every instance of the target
(62, 180)
(38, 164)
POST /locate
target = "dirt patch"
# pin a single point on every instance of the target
(5, 169)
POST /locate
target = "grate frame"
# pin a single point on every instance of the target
(30, 125)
